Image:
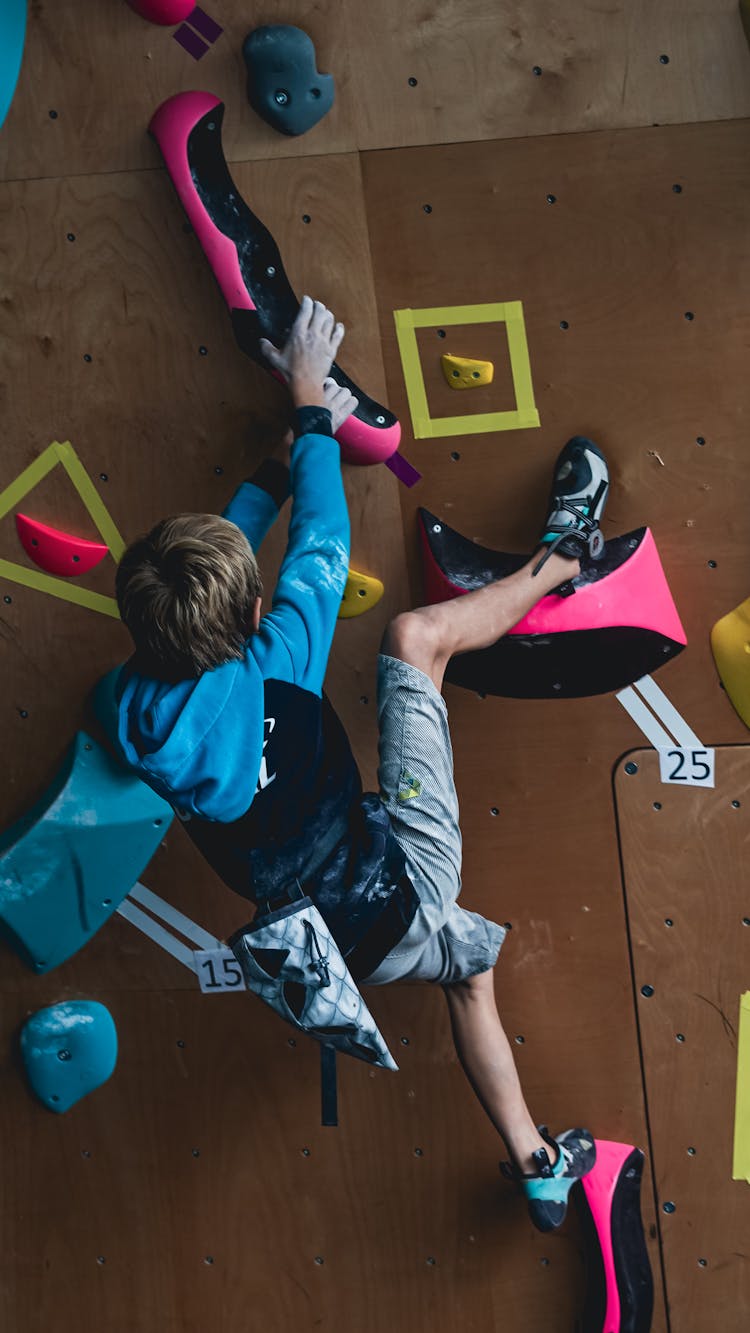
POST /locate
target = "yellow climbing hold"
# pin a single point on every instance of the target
(461, 372)
(360, 594)
(730, 643)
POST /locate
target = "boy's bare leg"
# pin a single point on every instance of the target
(429, 636)
(487, 1060)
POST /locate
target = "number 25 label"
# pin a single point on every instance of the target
(218, 970)
(692, 768)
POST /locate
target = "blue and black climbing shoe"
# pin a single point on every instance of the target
(573, 1154)
(576, 503)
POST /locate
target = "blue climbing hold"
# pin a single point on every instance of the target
(69, 1050)
(283, 85)
(12, 34)
(68, 863)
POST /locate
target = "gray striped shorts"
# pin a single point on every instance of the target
(445, 943)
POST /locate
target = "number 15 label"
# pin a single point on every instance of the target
(218, 970)
(691, 768)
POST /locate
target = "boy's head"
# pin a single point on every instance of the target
(189, 592)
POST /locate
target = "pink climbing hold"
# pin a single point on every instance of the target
(166, 12)
(58, 552)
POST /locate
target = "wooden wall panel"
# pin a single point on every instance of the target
(622, 259)
(104, 71)
(213, 1150)
(685, 853)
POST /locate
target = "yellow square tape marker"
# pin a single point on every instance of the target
(509, 313)
(24, 483)
(741, 1160)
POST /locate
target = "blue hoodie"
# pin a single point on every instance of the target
(252, 756)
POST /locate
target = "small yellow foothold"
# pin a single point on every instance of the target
(461, 372)
(361, 593)
(730, 646)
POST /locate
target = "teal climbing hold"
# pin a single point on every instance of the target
(68, 863)
(12, 34)
(69, 1050)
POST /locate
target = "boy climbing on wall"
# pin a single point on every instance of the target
(221, 711)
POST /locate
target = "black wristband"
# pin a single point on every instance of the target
(313, 421)
(273, 477)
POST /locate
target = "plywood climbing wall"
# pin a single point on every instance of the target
(684, 854)
(594, 168)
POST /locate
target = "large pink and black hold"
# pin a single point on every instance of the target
(619, 1284)
(245, 258)
(618, 624)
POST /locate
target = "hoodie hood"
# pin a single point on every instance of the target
(185, 740)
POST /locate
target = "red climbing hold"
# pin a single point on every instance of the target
(163, 11)
(58, 552)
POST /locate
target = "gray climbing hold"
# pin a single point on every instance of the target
(283, 84)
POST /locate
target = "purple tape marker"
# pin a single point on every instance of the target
(204, 24)
(193, 44)
(402, 469)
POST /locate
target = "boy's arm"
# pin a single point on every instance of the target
(255, 505)
(295, 637)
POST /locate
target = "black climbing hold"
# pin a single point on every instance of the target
(703, 1263)
(663, 60)
(203, 350)
(208, 1259)
(404, 1041)
(712, 564)
(455, 455)
(657, 805)
(103, 476)
(536, 71)
(647, 991)
(218, 470)
(668, 921)
(520, 1041)
(319, 1259)
(426, 208)
(441, 333)
(306, 218)
(196, 1152)
(691, 1152)
(418, 1152)
(53, 115)
(363, 699)
(631, 768)
(679, 1036)
(494, 810)
(7, 599)
(432, 1262)
(735, 805)
(283, 84)
(22, 712)
(746, 920)
(677, 189)
(700, 439)
(564, 324)
(413, 82)
(668, 1207)
(87, 356)
(71, 235)
(551, 198)
(507, 925)
(689, 315)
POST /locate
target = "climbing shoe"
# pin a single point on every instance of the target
(576, 503)
(573, 1154)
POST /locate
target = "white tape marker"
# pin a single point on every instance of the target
(644, 719)
(667, 713)
(174, 917)
(157, 933)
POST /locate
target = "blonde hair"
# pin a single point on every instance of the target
(187, 593)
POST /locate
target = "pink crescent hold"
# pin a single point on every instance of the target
(58, 552)
(163, 11)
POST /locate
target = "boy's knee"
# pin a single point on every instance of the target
(411, 637)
